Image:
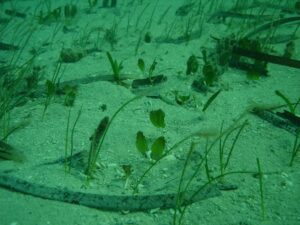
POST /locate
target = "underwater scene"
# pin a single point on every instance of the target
(152, 112)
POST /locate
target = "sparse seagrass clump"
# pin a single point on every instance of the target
(98, 138)
(116, 67)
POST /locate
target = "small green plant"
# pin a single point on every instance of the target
(201, 134)
(70, 93)
(182, 99)
(209, 71)
(51, 16)
(141, 143)
(110, 35)
(127, 170)
(141, 65)
(70, 11)
(92, 3)
(92, 6)
(210, 74)
(147, 37)
(158, 147)
(292, 107)
(96, 143)
(52, 86)
(116, 68)
(157, 118)
(192, 65)
(166, 152)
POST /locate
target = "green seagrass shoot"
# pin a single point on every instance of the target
(157, 149)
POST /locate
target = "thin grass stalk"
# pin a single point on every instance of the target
(234, 142)
(201, 21)
(179, 196)
(169, 29)
(221, 176)
(297, 103)
(152, 14)
(137, 46)
(261, 189)
(67, 168)
(221, 149)
(18, 54)
(3, 29)
(110, 122)
(295, 31)
(140, 16)
(163, 15)
(5, 124)
(93, 159)
(135, 189)
(198, 167)
(72, 133)
(206, 161)
(199, 134)
(92, 153)
(209, 149)
(5, 105)
(54, 80)
(9, 98)
(55, 31)
(129, 18)
(14, 129)
(222, 146)
(296, 148)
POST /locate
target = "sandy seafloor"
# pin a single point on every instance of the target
(43, 140)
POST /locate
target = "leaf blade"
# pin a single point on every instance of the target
(158, 147)
(157, 118)
(141, 143)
